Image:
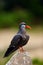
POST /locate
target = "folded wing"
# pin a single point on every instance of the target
(14, 45)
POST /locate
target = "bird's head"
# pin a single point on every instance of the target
(23, 25)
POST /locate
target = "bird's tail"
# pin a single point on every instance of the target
(9, 51)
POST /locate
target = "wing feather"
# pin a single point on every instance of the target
(14, 45)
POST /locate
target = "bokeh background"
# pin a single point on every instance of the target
(12, 12)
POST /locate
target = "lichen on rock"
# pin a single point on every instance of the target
(20, 58)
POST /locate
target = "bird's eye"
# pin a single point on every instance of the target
(23, 26)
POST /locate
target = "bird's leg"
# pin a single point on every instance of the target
(21, 49)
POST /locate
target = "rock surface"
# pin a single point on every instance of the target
(20, 58)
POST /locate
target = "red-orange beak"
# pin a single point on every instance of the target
(28, 27)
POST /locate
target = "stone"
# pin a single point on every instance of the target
(20, 58)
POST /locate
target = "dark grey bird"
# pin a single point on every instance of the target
(19, 40)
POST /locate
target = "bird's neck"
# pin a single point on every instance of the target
(23, 31)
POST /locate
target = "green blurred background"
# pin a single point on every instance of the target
(12, 12)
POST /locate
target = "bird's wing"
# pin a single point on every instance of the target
(14, 45)
(15, 41)
(25, 41)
